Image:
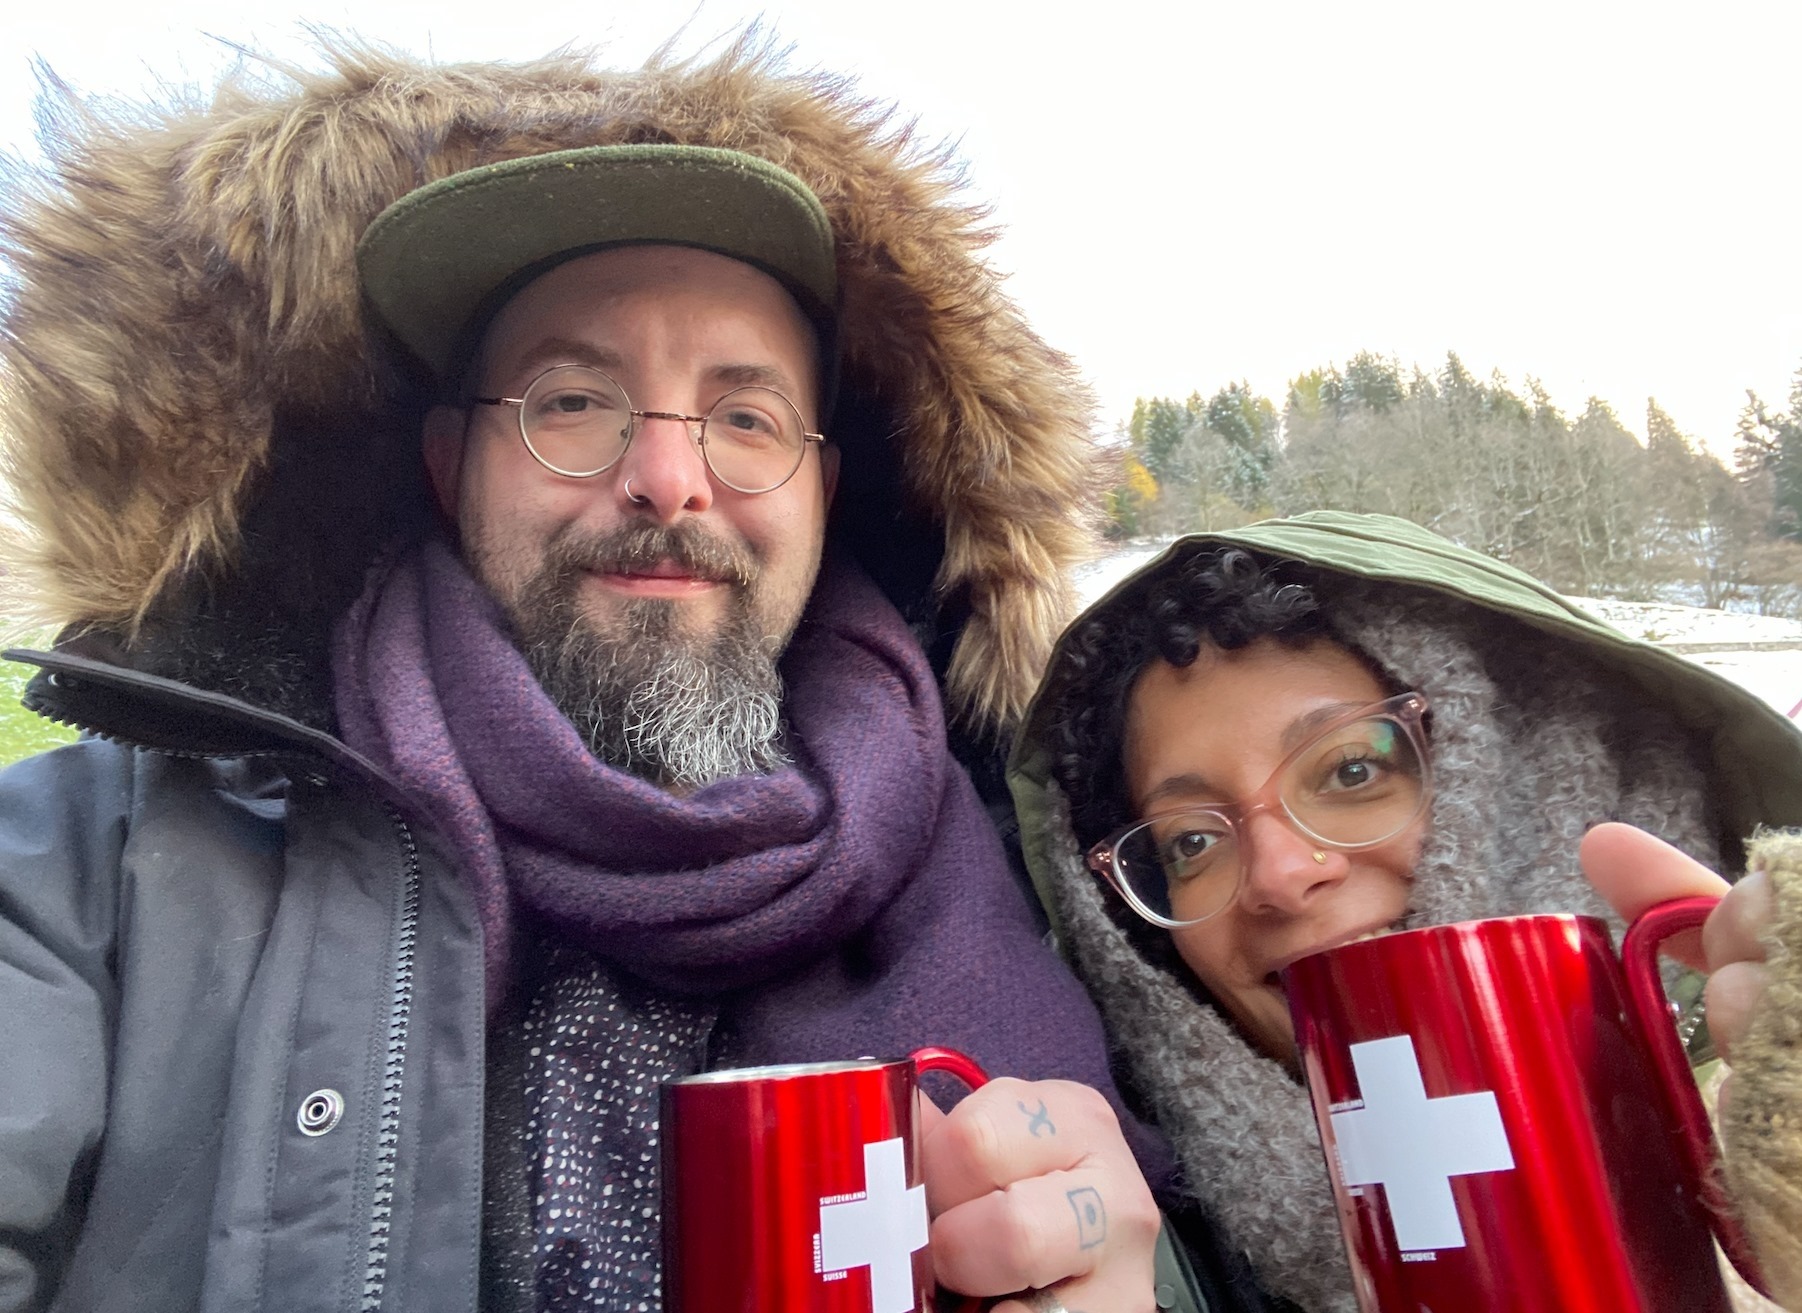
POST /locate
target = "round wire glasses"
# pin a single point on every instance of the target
(1360, 781)
(578, 422)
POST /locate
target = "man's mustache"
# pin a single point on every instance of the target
(636, 548)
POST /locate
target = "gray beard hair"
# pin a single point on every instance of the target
(681, 711)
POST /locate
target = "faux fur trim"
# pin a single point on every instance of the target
(185, 331)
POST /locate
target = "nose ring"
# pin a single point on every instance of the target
(1319, 857)
(637, 499)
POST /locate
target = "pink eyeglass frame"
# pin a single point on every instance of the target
(1408, 709)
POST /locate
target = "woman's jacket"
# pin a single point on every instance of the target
(1544, 721)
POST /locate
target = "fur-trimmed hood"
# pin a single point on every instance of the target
(1544, 722)
(206, 438)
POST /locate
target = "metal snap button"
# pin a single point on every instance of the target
(320, 1111)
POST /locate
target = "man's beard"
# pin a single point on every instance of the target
(678, 708)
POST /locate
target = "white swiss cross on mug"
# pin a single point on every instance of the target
(879, 1229)
(1412, 1145)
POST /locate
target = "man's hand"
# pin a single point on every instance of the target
(1633, 870)
(1031, 1185)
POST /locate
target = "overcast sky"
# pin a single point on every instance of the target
(1603, 195)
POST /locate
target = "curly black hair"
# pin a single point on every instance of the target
(1221, 595)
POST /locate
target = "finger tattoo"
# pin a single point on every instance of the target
(1041, 1120)
(1091, 1216)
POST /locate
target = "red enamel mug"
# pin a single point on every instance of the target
(1509, 1121)
(797, 1189)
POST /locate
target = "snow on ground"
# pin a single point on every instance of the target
(1762, 654)
(1684, 626)
(1093, 578)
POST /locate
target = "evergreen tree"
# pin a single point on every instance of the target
(1755, 439)
(1767, 456)
(1460, 394)
(1673, 494)
(1373, 382)
(1607, 464)
(1786, 471)
(1157, 429)
(1247, 427)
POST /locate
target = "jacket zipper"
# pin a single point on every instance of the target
(400, 1010)
(400, 1002)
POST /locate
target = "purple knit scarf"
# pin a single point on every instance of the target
(857, 902)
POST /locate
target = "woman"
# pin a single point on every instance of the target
(1445, 728)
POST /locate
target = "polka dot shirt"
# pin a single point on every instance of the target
(597, 1050)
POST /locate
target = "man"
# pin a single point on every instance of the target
(424, 798)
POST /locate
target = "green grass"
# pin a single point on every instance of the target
(23, 732)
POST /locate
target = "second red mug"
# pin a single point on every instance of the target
(1509, 1122)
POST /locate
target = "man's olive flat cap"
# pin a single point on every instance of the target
(438, 263)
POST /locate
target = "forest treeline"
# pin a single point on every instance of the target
(1582, 503)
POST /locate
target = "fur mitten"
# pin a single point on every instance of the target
(1762, 1126)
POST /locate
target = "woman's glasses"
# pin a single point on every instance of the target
(1359, 782)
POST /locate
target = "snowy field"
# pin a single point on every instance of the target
(1762, 654)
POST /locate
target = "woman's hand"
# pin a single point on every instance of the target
(1031, 1185)
(1632, 871)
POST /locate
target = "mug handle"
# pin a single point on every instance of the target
(1652, 1011)
(960, 1065)
(966, 1069)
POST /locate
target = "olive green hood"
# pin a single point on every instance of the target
(1755, 770)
